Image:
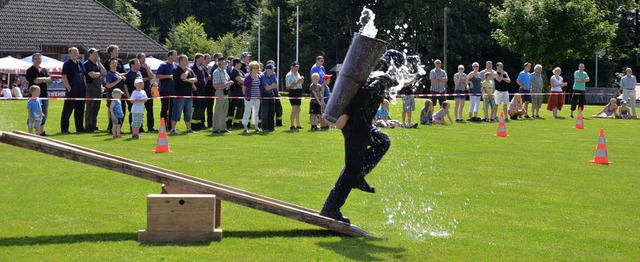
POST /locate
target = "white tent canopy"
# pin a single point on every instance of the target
(13, 66)
(49, 63)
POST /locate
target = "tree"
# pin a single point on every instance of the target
(547, 31)
(124, 9)
(189, 38)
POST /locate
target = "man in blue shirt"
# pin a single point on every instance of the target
(318, 68)
(166, 88)
(269, 83)
(73, 77)
(524, 81)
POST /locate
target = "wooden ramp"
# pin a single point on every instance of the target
(176, 179)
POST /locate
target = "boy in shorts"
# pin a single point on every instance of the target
(138, 98)
(317, 101)
(35, 111)
(115, 112)
(408, 105)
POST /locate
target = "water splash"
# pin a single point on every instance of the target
(366, 21)
(409, 74)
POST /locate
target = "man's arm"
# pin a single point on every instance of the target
(65, 81)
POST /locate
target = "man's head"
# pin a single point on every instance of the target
(113, 64)
(295, 66)
(269, 69)
(537, 68)
(113, 51)
(319, 60)
(236, 63)
(73, 53)
(134, 64)
(499, 66)
(199, 59)
(488, 65)
(527, 67)
(94, 54)
(438, 63)
(36, 59)
(183, 60)
(172, 55)
(628, 71)
(245, 57)
(222, 63)
(142, 58)
(207, 59)
(581, 67)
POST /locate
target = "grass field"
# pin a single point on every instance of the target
(454, 192)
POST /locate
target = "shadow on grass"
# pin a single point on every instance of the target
(281, 233)
(67, 239)
(359, 248)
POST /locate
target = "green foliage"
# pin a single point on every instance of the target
(124, 9)
(552, 30)
(189, 38)
(230, 44)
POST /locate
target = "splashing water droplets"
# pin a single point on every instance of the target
(366, 21)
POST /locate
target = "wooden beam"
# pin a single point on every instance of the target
(172, 178)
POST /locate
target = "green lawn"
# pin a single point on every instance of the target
(454, 192)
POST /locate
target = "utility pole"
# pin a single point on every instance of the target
(444, 46)
(259, 22)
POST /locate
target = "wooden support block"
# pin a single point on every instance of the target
(186, 236)
(176, 190)
(180, 217)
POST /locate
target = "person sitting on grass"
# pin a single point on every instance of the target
(623, 110)
(382, 117)
(438, 117)
(138, 98)
(115, 111)
(609, 110)
(516, 109)
(35, 111)
(6, 92)
(426, 115)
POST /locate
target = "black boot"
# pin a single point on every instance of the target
(335, 214)
(278, 122)
(364, 186)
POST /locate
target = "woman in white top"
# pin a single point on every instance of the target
(556, 99)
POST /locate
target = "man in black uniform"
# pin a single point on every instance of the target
(197, 120)
(364, 144)
(236, 105)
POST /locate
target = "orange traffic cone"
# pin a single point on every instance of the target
(601, 151)
(579, 120)
(163, 143)
(502, 129)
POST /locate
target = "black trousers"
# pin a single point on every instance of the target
(77, 108)
(197, 118)
(235, 112)
(278, 112)
(165, 109)
(578, 99)
(148, 107)
(435, 99)
(208, 105)
(362, 154)
(267, 111)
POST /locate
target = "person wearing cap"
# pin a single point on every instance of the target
(628, 87)
(197, 121)
(114, 80)
(39, 76)
(147, 75)
(138, 98)
(73, 77)
(115, 112)
(131, 76)
(623, 110)
(95, 71)
(185, 81)
(278, 100)
(221, 83)
(236, 103)
(326, 81)
(245, 57)
(267, 105)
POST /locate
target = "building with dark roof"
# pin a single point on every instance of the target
(50, 27)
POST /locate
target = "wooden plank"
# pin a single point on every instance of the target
(167, 171)
(111, 162)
